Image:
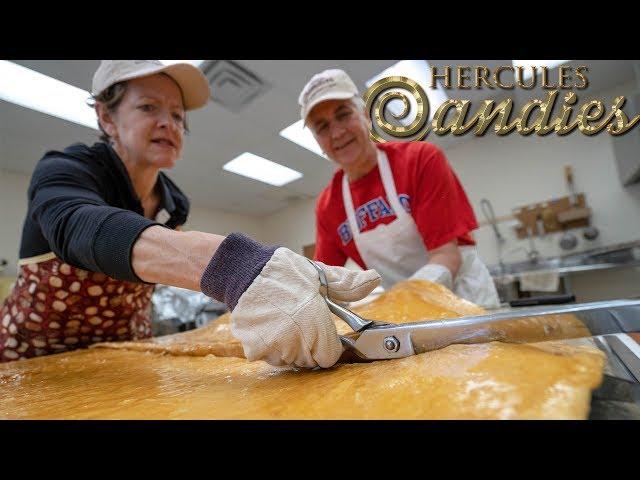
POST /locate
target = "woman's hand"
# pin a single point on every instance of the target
(278, 312)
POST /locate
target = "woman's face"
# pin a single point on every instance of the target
(148, 124)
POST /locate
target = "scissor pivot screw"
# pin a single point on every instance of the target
(392, 344)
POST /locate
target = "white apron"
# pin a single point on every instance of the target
(396, 250)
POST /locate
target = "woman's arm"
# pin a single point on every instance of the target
(67, 205)
(279, 314)
(170, 257)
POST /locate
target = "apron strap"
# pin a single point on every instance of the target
(389, 184)
(389, 188)
(348, 206)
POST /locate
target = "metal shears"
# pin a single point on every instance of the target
(374, 340)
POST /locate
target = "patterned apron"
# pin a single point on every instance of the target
(55, 307)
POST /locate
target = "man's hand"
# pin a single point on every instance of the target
(278, 312)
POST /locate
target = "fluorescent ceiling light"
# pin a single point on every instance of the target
(418, 71)
(303, 137)
(528, 72)
(30, 89)
(195, 63)
(261, 169)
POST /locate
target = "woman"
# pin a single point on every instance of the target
(101, 231)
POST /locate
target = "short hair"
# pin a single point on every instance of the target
(111, 98)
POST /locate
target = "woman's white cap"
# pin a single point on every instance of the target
(194, 85)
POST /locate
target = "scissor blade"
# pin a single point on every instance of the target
(401, 340)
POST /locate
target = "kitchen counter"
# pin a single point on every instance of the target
(617, 256)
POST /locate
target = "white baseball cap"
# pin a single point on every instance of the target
(194, 85)
(333, 84)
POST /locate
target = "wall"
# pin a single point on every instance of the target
(13, 208)
(606, 284)
(512, 171)
(292, 227)
(214, 221)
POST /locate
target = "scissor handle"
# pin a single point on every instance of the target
(356, 322)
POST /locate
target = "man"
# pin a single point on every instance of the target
(395, 207)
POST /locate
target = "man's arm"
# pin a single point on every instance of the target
(439, 204)
(442, 266)
(448, 255)
(442, 213)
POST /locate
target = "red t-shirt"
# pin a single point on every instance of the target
(427, 188)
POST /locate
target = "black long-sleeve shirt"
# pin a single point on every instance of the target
(83, 207)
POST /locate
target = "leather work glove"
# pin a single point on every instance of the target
(278, 312)
(436, 273)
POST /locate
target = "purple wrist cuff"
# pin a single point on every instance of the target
(234, 266)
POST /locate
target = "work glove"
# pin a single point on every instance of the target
(278, 312)
(436, 273)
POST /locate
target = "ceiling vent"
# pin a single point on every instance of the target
(232, 86)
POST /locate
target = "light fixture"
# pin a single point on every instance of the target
(303, 137)
(31, 89)
(527, 64)
(261, 169)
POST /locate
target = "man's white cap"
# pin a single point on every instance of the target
(194, 85)
(331, 84)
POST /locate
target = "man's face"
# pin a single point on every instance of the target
(342, 131)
